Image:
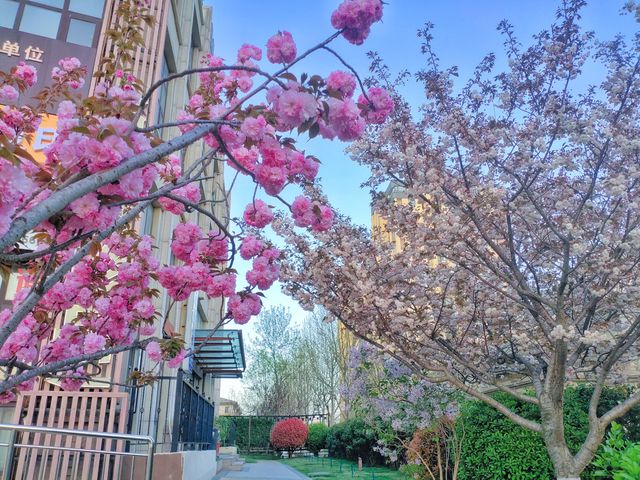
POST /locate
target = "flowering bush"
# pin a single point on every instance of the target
(393, 400)
(289, 434)
(103, 169)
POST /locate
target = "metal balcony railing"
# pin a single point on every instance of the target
(35, 452)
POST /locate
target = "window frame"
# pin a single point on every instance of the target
(66, 16)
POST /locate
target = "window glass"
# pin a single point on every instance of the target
(93, 8)
(8, 9)
(40, 21)
(81, 32)
(162, 93)
(51, 3)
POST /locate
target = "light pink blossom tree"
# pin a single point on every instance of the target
(510, 243)
(105, 168)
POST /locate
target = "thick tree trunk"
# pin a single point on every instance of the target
(551, 410)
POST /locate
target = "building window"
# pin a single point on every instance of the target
(92, 8)
(73, 21)
(81, 32)
(40, 21)
(163, 91)
(9, 9)
(51, 3)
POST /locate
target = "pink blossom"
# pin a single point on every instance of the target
(342, 82)
(256, 128)
(258, 214)
(355, 17)
(215, 248)
(281, 48)
(264, 272)
(250, 247)
(7, 397)
(248, 51)
(272, 179)
(73, 381)
(85, 205)
(145, 308)
(154, 351)
(66, 109)
(147, 330)
(345, 119)
(246, 157)
(190, 192)
(311, 214)
(8, 94)
(242, 307)
(223, 285)
(94, 342)
(185, 238)
(177, 360)
(379, 106)
(26, 73)
(295, 107)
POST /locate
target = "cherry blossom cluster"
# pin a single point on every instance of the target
(103, 168)
(355, 17)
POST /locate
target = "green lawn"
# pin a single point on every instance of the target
(340, 469)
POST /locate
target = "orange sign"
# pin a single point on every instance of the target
(44, 136)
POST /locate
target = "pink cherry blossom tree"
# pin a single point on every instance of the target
(508, 248)
(106, 166)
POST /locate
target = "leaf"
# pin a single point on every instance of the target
(314, 130)
(22, 153)
(289, 76)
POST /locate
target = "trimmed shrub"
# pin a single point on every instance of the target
(317, 439)
(494, 448)
(246, 431)
(289, 434)
(352, 439)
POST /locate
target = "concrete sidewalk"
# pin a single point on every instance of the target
(263, 470)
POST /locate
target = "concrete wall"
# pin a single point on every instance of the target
(174, 466)
(199, 465)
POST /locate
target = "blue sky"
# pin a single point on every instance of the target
(465, 30)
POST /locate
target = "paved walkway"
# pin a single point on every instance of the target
(263, 470)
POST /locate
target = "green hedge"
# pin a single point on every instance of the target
(245, 432)
(352, 439)
(317, 438)
(494, 448)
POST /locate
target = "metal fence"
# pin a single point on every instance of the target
(251, 433)
(174, 413)
(192, 420)
(39, 453)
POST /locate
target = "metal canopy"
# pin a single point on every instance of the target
(220, 353)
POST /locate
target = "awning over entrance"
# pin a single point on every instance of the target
(220, 353)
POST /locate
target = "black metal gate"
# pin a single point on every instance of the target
(193, 419)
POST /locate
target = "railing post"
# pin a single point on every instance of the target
(149, 471)
(8, 463)
(177, 413)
